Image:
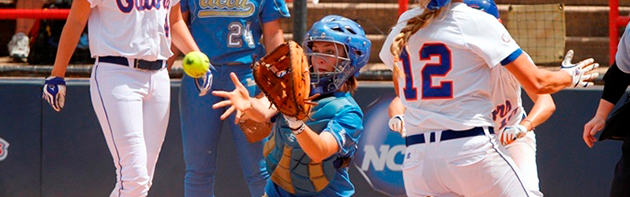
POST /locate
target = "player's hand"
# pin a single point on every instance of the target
(397, 124)
(591, 128)
(238, 99)
(581, 72)
(204, 83)
(55, 92)
(511, 133)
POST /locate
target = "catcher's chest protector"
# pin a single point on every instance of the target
(290, 167)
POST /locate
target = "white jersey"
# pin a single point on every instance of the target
(623, 49)
(447, 72)
(131, 28)
(506, 96)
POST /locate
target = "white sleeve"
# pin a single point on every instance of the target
(623, 52)
(174, 2)
(386, 54)
(490, 40)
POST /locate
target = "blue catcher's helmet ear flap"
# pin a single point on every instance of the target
(437, 4)
(342, 31)
(487, 6)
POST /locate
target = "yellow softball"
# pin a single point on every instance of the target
(196, 64)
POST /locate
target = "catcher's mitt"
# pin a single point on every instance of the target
(283, 76)
(254, 131)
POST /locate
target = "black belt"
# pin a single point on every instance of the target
(137, 63)
(446, 135)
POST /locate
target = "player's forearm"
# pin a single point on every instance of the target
(317, 147)
(182, 38)
(552, 82)
(272, 35)
(395, 107)
(537, 81)
(542, 110)
(70, 36)
(604, 108)
(260, 110)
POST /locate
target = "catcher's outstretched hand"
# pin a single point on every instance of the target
(591, 128)
(238, 98)
(580, 73)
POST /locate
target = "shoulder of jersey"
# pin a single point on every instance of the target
(410, 14)
(474, 13)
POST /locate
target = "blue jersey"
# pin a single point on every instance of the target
(229, 31)
(292, 171)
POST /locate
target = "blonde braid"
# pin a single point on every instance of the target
(413, 25)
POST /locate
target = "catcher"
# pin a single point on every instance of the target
(309, 156)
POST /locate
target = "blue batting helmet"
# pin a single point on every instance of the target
(343, 31)
(487, 6)
(437, 4)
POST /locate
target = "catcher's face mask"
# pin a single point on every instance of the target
(328, 61)
(350, 52)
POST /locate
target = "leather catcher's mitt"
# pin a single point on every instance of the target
(283, 75)
(254, 131)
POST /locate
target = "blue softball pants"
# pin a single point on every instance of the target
(201, 128)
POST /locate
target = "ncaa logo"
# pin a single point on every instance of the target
(381, 152)
(4, 149)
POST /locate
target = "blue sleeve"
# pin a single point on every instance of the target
(510, 58)
(183, 4)
(273, 10)
(346, 127)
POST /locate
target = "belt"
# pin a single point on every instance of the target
(137, 63)
(446, 135)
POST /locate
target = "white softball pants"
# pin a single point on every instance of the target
(132, 107)
(523, 152)
(471, 166)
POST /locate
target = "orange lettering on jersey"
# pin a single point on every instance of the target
(225, 8)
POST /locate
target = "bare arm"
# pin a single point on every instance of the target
(261, 109)
(317, 147)
(536, 80)
(395, 107)
(256, 108)
(542, 110)
(182, 38)
(78, 17)
(272, 35)
(174, 49)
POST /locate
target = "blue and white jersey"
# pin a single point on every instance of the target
(447, 68)
(131, 28)
(229, 31)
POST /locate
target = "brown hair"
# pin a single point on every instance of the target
(413, 25)
(350, 85)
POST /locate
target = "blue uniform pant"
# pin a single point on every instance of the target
(201, 128)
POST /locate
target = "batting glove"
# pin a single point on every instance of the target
(55, 92)
(511, 133)
(397, 124)
(204, 83)
(578, 71)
